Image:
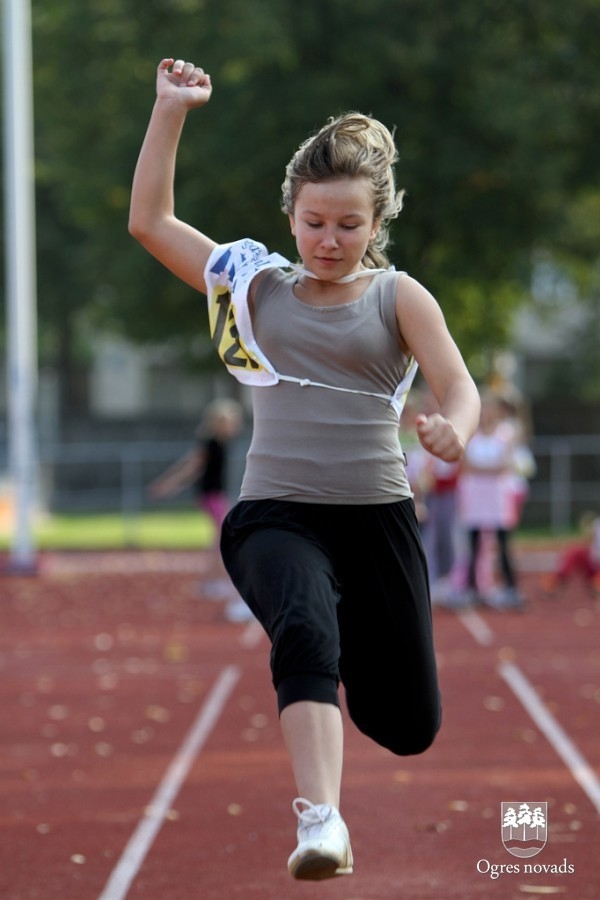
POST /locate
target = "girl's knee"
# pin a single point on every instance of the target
(416, 742)
(407, 744)
(401, 734)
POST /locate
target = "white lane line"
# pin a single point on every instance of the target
(251, 635)
(581, 771)
(478, 627)
(141, 840)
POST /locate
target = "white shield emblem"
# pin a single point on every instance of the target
(524, 828)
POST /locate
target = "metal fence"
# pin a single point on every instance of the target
(113, 476)
(567, 481)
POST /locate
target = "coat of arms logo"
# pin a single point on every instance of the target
(524, 828)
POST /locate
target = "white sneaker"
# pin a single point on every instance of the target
(323, 849)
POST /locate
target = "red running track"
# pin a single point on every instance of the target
(140, 753)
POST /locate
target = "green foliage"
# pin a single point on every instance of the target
(495, 105)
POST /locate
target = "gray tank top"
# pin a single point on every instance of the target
(316, 445)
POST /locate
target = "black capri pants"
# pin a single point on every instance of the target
(342, 592)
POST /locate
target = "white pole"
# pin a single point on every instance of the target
(19, 217)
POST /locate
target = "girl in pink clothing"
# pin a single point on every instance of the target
(486, 501)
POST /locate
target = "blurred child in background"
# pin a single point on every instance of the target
(440, 538)
(204, 468)
(514, 428)
(486, 503)
(580, 558)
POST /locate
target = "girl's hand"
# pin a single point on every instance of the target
(438, 436)
(185, 83)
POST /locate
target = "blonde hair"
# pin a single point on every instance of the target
(350, 146)
(218, 414)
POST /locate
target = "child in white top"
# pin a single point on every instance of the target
(486, 500)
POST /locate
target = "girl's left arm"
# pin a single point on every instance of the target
(424, 334)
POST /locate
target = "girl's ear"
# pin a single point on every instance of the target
(292, 225)
(375, 229)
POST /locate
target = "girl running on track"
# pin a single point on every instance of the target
(323, 544)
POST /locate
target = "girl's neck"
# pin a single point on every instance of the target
(328, 293)
(347, 279)
(313, 290)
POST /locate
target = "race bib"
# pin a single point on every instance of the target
(228, 275)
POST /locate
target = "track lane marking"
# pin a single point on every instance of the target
(252, 635)
(141, 840)
(524, 691)
(477, 627)
(580, 769)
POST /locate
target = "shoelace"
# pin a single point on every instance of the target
(311, 815)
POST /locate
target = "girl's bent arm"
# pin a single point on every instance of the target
(424, 333)
(152, 220)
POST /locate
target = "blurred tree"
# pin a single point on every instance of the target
(495, 103)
